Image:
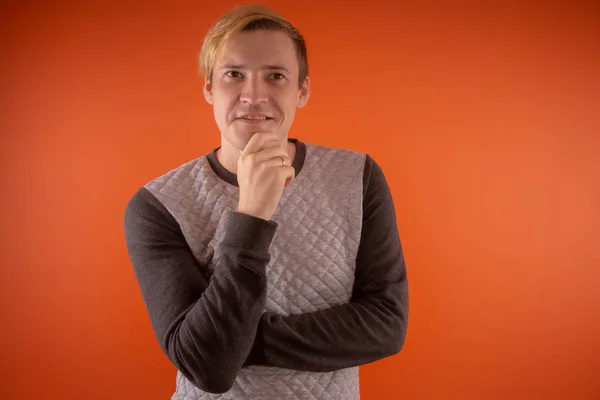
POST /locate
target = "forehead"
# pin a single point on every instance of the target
(261, 47)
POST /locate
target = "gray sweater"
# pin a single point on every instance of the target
(282, 309)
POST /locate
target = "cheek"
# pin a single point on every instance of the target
(289, 106)
(223, 106)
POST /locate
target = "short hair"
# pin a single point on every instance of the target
(248, 18)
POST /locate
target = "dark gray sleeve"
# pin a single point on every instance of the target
(206, 327)
(373, 324)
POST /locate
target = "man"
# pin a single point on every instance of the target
(270, 268)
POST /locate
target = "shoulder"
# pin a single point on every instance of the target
(335, 160)
(322, 149)
(363, 162)
(150, 200)
(179, 177)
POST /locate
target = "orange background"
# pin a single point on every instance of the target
(484, 119)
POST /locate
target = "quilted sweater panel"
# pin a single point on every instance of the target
(312, 262)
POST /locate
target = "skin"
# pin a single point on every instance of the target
(258, 75)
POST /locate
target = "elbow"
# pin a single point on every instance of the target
(395, 340)
(214, 379)
(396, 336)
(389, 343)
(210, 373)
(210, 379)
(213, 382)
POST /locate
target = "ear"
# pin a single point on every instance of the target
(208, 93)
(304, 93)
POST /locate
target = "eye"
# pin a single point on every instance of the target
(277, 76)
(233, 74)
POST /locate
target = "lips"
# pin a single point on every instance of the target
(260, 122)
(255, 117)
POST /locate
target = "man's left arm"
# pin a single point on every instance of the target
(372, 325)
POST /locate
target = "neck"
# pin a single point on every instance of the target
(228, 156)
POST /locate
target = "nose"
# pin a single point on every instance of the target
(254, 91)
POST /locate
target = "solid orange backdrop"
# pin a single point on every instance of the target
(484, 119)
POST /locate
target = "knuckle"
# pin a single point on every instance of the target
(252, 159)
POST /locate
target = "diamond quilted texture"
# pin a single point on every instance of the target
(268, 383)
(312, 262)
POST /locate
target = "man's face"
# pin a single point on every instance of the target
(255, 87)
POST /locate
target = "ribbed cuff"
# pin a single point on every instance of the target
(249, 233)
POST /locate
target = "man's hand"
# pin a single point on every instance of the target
(261, 175)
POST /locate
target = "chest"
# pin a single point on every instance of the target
(313, 251)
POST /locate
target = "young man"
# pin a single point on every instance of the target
(270, 268)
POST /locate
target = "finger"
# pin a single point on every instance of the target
(277, 162)
(272, 152)
(289, 180)
(258, 141)
(287, 174)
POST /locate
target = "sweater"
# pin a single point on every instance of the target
(283, 309)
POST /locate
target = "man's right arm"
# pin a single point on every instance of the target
(205, 326)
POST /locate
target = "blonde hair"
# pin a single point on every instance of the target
(248, 18)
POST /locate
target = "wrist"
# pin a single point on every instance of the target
(254, 213)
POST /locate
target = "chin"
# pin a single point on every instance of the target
(238, 139)
(243, 136)
(239, 134)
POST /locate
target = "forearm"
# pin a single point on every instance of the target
(359, 332)
(205, 326)
(210, 342)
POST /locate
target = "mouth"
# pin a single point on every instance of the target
(254, 118)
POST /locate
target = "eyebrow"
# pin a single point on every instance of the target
(267, 67)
